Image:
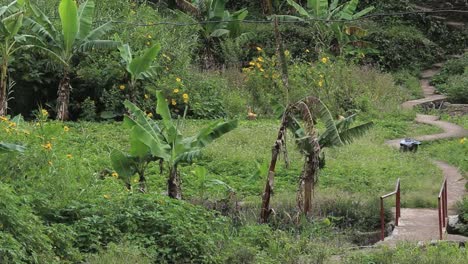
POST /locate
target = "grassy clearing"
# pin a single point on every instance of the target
(443, 253)
(80, 158)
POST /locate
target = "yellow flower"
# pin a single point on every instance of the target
(325, 59)
(167, 58)
(69, 156)
(12, 124)
(287, 53)
(260, 59)
(185, 97)
(149, 114)
(262, 70)
(462, 141)
(178, 80)
(47, 146)
(132, 12)
(258, 65)
(50, 163)
(115, 174)
(106, 196)
(252, 63)
(259, 49)
(3, 118)
(321, 76)
(176, 90)
(146, 96)
(148, 43)
(307, 50)
(66, 129)
(44, 112)
(173, 102)
(149, 36)
(122, 87)
(135, 180)
(320, 83)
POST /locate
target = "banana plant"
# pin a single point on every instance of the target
(11, 21)
(218, 23)
(138, 67)
(332, 34)
(75, 36)
(310, 143)
(152, 141)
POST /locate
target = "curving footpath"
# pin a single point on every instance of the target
(423, 224)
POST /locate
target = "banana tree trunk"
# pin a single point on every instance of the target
(63, 99)
(173, 184)
(310, 173)
(268, 191)
(267, 7)
(3, 88)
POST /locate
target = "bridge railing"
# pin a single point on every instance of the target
(382, 209)
(442, 207)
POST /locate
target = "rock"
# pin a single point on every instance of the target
(454, 225)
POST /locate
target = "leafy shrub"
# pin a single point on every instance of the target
(22, 235)
(172, 231)
(450, 68)
(456, 88)
(403, 46)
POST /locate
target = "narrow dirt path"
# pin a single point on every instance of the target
(423, 224)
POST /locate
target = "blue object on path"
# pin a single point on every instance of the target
(409, 144)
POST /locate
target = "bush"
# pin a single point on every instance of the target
(171, 231)
(22, 235)
(404, 47)
(456, 88)
(450, 68)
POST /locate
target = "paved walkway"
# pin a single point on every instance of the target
(423, 224)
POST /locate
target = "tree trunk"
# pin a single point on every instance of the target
(268, 191)
(3, 88)
(142, 182)
(173, 184)
(267, 7)
(311, 169)
(187, 7)
(63, 99)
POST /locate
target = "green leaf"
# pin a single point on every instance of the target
(319, 8)
(162, 109)
(8, 147)
(13, 24)
(219, 33)
(299, 8)
(363, 12)
(123, 164)
(85, 14)
(99, 32)
(349, 9)
(141, 64)
(217, 8)
(146, 131)
(69, 16)
(212, 132)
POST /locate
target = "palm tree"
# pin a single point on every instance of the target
(11, 22)
(76, 35)
(162, 141)
(310, 144)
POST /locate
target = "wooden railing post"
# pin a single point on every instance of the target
(382, 220)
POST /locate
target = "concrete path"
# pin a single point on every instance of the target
(423, 224)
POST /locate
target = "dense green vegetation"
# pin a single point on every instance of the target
(135, 85)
